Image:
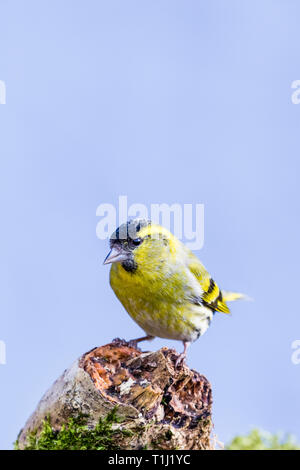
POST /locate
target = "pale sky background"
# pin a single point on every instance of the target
(162, 101)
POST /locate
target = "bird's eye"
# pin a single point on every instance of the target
(137, 241)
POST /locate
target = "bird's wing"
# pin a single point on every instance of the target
(212, 296)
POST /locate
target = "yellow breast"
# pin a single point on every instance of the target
(157, 300)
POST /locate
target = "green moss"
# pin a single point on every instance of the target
(262, 440)
(75, 435)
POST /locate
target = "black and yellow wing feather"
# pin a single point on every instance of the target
(212, 295)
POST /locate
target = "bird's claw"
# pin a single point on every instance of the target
(122, 342)
(180, 360)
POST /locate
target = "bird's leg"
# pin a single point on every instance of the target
(182, 356)
(134, 342)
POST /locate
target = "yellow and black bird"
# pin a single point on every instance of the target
(162, 284)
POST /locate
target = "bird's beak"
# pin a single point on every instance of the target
(116, 255)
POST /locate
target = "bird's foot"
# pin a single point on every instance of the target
(180, 361)
(133, 344)
(120, 342)
(181, 358)
(123, 342)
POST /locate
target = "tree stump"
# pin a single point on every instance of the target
(158, 405)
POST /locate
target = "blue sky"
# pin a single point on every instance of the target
(162, 101)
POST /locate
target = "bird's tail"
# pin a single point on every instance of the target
(230, 296)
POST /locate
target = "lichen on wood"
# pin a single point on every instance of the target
(154, 404)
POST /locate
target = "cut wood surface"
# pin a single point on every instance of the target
(162, 407)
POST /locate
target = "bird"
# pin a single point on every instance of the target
(162, 284)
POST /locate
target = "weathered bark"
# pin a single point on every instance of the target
(164, 407)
